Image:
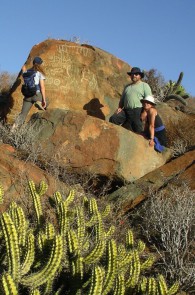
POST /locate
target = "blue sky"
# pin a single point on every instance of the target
(157, 34)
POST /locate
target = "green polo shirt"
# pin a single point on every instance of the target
(132, 95)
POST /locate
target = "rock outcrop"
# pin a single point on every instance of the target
(84, 85)
(175, 173)
(14, 176)
(88, 144)
(78, 77)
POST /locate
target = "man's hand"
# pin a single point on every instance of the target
(119, 110)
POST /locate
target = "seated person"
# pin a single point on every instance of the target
(154, 129)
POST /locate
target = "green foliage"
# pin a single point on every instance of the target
(174, 90)
(76, 256)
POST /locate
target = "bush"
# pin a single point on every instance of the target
(168, 223)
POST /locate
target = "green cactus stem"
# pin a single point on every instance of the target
(12, 245)
(120, 285)
(111, 268)
(9, 285)
(96, 281)
(18, 217)
(42, 188)
(176, 91)
(134, 272)
(29, 254)
(36, 202)
(1, 194)
(48, 272)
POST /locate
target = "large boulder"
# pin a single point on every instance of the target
(78, 77)
(88, 144)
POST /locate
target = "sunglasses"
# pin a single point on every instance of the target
(135, 74)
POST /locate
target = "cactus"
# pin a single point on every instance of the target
(176, 91)
(9, 285)
(18, 217)
(120, 285)
(35, 292)
(1, 194)
(173, 289)
(96, 281)
(36, 202)
(12, 245)
(66, 257)
(42, 188)
(29, 254)
(134, 272)
(47, 273)
(111, 268)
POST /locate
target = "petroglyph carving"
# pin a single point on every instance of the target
(62, 73)
(88, 76)
(78, 49)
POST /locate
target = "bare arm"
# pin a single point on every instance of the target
(42, 88)
(24, 69)
(151, 116)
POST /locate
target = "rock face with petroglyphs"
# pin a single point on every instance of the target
(78, 77)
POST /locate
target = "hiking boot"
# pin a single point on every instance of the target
(39, 106)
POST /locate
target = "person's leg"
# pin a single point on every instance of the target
(118, 119)
(161, 135)
(38, 101)
(27, 104)
(137, 124)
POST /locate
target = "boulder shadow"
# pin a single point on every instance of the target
(93, 108)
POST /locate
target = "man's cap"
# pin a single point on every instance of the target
(136, 70)
(37, 60)
(149, 99)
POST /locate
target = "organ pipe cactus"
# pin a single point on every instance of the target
(77, 255)
(9, 285)
(174, 90)
(1, 194)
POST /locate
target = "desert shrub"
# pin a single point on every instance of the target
(75, 255)
(167, 221)
(6, 81)
(156, 82)
(181, 136)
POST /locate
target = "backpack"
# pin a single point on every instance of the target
(29, 88)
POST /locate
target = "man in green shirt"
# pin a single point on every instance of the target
(130, 106)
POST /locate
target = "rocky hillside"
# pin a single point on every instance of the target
(84, 82)
(72, 143)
